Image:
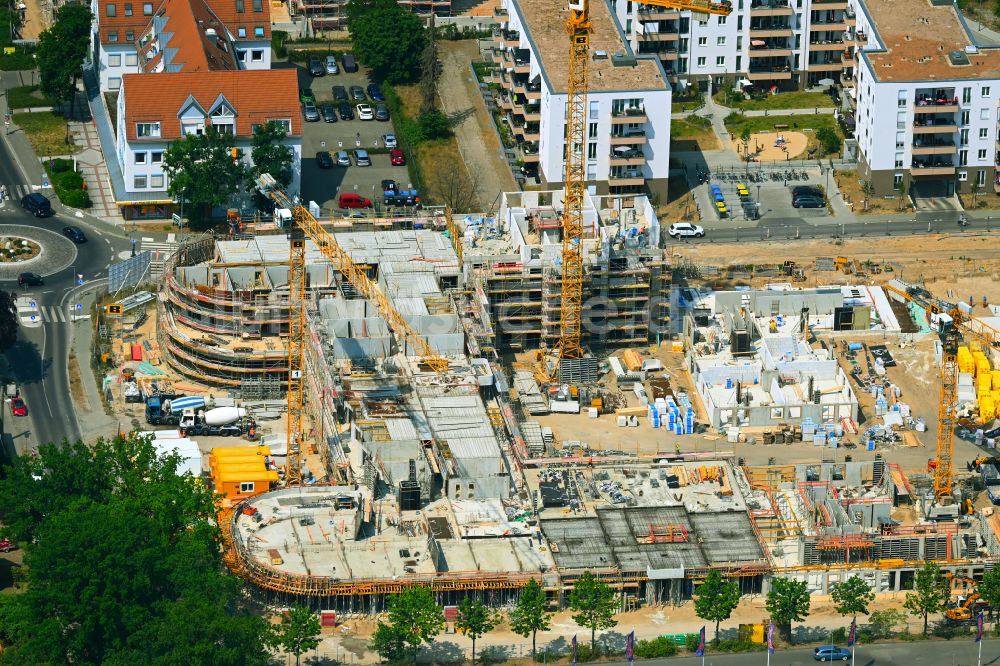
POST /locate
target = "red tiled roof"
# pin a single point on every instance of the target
(185, 35)
(248, 18)
(257, 96)
(225, 10)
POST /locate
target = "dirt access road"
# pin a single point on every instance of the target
(472, 125)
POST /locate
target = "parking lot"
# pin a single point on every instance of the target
(324, 185)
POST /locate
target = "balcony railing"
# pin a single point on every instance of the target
(629, 115)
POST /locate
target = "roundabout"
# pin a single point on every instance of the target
(49, 252)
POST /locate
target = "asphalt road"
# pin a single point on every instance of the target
(917, 653)
(39, 361)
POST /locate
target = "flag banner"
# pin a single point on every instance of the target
(630, 646)
(852, 635)
(979, 627)
(770, 639)
(700, 652)
(574, 649)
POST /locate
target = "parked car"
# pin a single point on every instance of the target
(831, 653)
(346, 111)
(30, 280)
(361, 158)
(75, 234)
(365, 112)
(18, 407)
(389, 185)
(396, 157)
(358, 94)
(331, 65)
(382, 112)
(389, 140)
(807, 201)
(329, 113)
(316, 67)
(310, 112)
(6, 546)
(350, 62)
(810, 190)
(685, 230)
(306, 95)
(343, 159)
(37, 205)
(353, 200)
(323, 159)
(375, 93)
(339, 93)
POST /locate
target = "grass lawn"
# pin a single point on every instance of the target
(47, 133)
(26, 96)
(786, 100)
(808, 125)
(690, 134)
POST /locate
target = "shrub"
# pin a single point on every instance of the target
(838, 635)
(583, 651)
(660, 646)
(67, 180)
(736, 645)
(691, 642)
(76, 199)
(278, 38)
(950, 631)
(828, 139)
(433, 125)
(882, 623)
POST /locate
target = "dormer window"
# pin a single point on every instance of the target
(147, 130)
(223, 118)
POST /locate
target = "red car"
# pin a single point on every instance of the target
(18, 407)
(6, 546)
(396, 157)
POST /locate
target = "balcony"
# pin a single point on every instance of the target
(936, 168)
(770, 30)
(658, 14)
(505, 102)
(529, 113)
(830, 66)
(830, 4)
(944, 101)
(633, 115)
(847, 79)
(500, 14)
(934, 126)
(775, 73)
(773, 8)
(826, 45)
(940, 148)
(833, 26)
(633, 136)
(626, 179)
(770, 51)
(626, 156)
(510, 38)
(661, 36)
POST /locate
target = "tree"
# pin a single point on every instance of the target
(593, 603)
(202, 171)
(716, 599)
(852, 596)
(430, 72)
(387, 37)
(269, 154)
(475, 620)
(868, 189)
(828, 139)
(787, 602)
(8, 320)
(414, 618)
(458, 189)
(298, 632)
(882, 622)
(975, 189)
(745, 138)
(529, 615)
(123, 562)
(62, 50)
(989, 588)
(930, 592)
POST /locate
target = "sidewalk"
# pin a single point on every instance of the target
(90, 163)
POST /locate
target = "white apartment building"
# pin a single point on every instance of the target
(927, 100)
(241, 30)
(628, 134)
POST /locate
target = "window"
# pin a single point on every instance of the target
(984, 133)
(722, 20)
(223, 128)
(963, 137)
(258, 5)
(720, 41)
(156, 156)
(739, 22)
(115, 83)
(128, 9)
(963, 157)
(703, 41)
(147, 9)
(257, 55)
(140, 158)
(981, 177)
(899, 160)
(147, 129)
(986, 91)
(258, 31)
(701, 62)
(283, 123)
(595, 110)
(897, 180)
(965, 118)
(963, 176)
(246, 487)
(720, 61)
(901, 120)
(131, 59)
(129, 35)
(110, 10)
(115, 60)
(984, 114)
(900, 140)
(592, 131)
(193, 128)
(113, 36)
(981, 155)
(140, 182)
(591, 151)
(241, 31)
(966, 95)
(901, 103)
(156, 181)
(240, 6)
(241, 56)
(591, 172)
(254, 127)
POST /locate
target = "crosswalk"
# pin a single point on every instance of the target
(45, 314)
(161, 250)
(17, 192)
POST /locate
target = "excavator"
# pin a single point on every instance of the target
(969, 602)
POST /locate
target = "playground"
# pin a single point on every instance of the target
(776, 146)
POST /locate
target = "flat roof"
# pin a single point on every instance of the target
(918, 36)
(545, 24)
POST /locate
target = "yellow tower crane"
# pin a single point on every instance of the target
(308, 226)
(578, 26)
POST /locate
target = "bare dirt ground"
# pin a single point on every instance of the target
(37, 18)
(473, 128)
(762, 147)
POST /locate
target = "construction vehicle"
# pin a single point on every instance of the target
(158, 410)
(201, 423)
(305, 225)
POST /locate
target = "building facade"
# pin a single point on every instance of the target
(628, 116)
